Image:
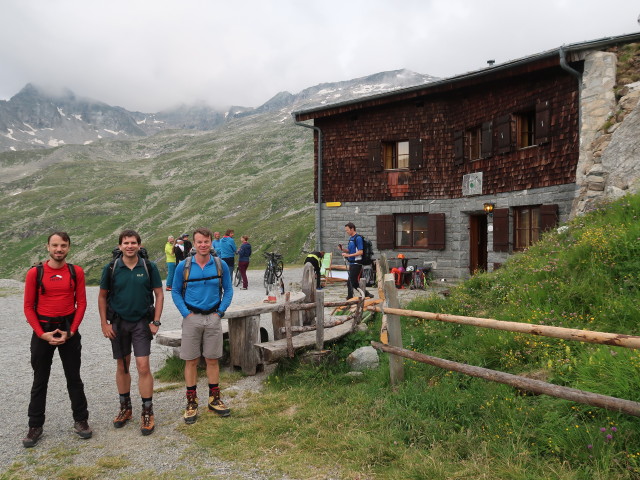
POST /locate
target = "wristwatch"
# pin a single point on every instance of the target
(220, 314)
(155, 323)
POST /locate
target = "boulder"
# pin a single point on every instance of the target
(364, 358)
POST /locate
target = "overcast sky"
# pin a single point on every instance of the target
(149, 55)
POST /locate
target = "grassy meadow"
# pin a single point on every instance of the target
(317, 422)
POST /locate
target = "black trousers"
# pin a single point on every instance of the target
(41, 358)
(316, 267)
(354, 277)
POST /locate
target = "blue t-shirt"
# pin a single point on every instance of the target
(355, 244)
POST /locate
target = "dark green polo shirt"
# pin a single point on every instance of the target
(132, 289)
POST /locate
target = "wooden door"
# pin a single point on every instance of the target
(477, 243)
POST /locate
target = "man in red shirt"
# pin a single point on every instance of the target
(54, 303)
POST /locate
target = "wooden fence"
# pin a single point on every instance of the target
(394, 347)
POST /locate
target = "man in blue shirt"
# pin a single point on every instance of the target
(227, 250)
(202, 303)
(353, 254)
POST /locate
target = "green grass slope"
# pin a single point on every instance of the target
(254, 175)
(444, 425)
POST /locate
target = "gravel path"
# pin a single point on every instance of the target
(160, 452)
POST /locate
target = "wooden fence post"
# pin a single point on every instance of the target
(319, 320)
(287, 324)
(396, 366)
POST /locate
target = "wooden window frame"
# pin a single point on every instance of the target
(526, 129)
(473, 143)
(386, 232)
(412, 230)
(391, 159)
(529, 227)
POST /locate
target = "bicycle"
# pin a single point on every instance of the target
(237, 278)
(274, 269)
(420, 278)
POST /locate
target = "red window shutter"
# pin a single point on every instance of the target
(501, 230)
(548, 217)
(375, 156)
(487, 140)
(542, 122)
(435, 231)
(415, 153)
(503, 129)
(385, 230)
(458, 147)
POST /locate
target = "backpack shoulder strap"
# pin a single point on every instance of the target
(39, 275)
(72, 272)
(185, 274)
(220, 271)
(111, 273)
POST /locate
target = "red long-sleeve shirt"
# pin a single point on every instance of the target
(58, 299)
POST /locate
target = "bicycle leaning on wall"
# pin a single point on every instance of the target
(273, 271)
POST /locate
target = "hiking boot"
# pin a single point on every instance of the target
(217, 405)
(124, 415)
(191, 412)
(83, 429)
(147, 423)
(32, 437)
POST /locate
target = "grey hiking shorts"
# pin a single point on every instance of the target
(201, 335)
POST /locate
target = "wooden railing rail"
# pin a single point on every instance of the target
(616, 339)
(394, 348)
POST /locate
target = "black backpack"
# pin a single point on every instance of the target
(367, 251)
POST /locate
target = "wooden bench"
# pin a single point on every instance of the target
(242, 326)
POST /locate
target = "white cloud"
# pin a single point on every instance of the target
(152, 54)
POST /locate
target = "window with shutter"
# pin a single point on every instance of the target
(526, 128)
(415, 153)
(542, 122)
(395, 155)
(487, 140)
(385, 228)
(548, 217)
(503, 130)
(375, 160)
(473, 139)
(436, 231)
(411, 230)
(501, 230)
(458, 147)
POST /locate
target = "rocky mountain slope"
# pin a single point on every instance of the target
(36, 118)
(252, 172)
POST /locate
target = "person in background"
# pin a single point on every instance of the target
(178, 251)
(228, 249)
(54, 303)
(171, 260)
(315, 259)
(216, 242)
(353, 254)
(187, 244)
(244, 252)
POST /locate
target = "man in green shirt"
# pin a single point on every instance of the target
(130, 319)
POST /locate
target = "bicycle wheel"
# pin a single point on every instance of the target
(279, 267)
(238, 278)
(269, 278)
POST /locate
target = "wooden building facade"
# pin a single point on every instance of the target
(414, 168)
